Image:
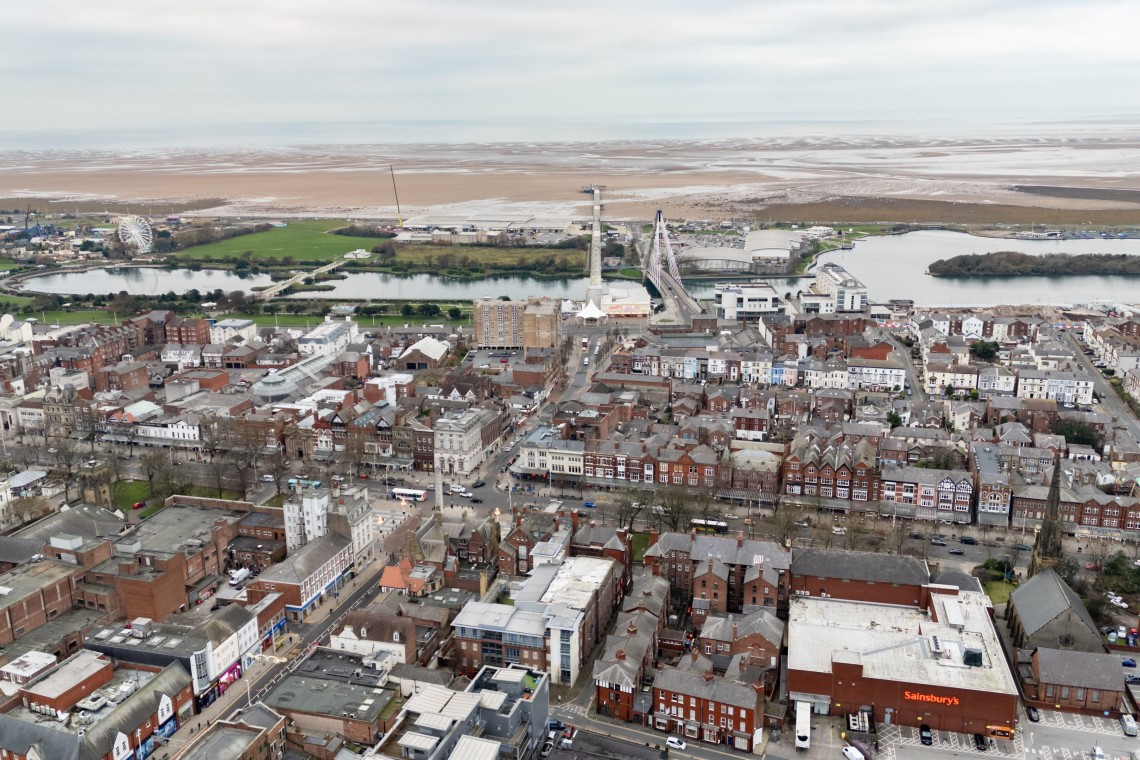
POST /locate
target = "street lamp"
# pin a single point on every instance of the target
(249, 681)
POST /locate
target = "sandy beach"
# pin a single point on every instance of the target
(1008, 180)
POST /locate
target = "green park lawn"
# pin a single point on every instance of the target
(304, 240)
(129, 492)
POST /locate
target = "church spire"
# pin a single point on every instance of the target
(1048, 549)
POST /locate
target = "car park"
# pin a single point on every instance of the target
(925, 735)
(673, 742)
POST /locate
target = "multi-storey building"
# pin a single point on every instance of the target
(746, 301)
(928, 494)
(1064, 387)
(700, 706)
(991, 483)
(328, 338)
(460, 445)
(534, 323)
(831, 468)
(306, 516)
(752, 567)
(846, 292)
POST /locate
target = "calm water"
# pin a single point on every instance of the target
(892, 267)
(895, 267)
(359, 285)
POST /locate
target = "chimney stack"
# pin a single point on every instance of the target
(631, 629)
(734, 630)
(692, 535)
(593, 523)
(620, 654)
(708, 676)
(695, 657)
(574, 522)
(739, 539)
(653, 536)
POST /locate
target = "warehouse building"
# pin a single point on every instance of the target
(938, 663)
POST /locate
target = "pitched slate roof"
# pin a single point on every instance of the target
(1042, 598)
(1088, 670)
(733, 627)
(860, 566)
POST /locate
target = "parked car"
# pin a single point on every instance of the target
(556, 725)
(958, 551)
(589, 505)
(980, 743)
(916, 534)
(337, 478)
(1033, 714)
(138, 505)
(266, 478)
(1128, 662)
(968, 540)
(925, 735)
(938, 541)
(1097, 754)
(674, 743)
(1092, 566)
(478, 484)
(1023, 547)
(547, 749)
(852, 753)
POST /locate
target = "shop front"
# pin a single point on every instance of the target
(219, 686)
(274, 638)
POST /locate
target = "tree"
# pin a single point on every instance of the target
(355, 451)
(784, 524)
(454, 313)
(675, 505)
(407, 310)
(24, 509)
(984, 350)
(279, 469)
(67, 460)
(214, 434)
(1067, 568)
(894, 420)
(627, 510)
(1080, 433)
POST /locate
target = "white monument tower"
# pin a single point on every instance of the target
(594, 291)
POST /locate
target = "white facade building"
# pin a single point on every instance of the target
(746, 300)
(1064, 387)
(225, 330)
(875, 375)
(328, 338)
(459, 441)
(848, 293)
(306, 517)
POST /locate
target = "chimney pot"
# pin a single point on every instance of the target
(708, 676)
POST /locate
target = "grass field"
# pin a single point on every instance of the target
(312, 320)
(303, 240)
(640, 543)
(999, 591)
(129, 492)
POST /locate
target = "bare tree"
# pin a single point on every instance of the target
(355, 451)
(26, 508)
(279, 469)
(627, 510)
(785, 524)
(214, 433)
(67, 461)
(675, 505)
(154, 464)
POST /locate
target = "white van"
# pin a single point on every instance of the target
(1128, 723)
(457, 488)
(838, 531)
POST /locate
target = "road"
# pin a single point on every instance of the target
(1108, 398)
(918, 391)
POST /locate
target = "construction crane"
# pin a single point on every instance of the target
(399, 216)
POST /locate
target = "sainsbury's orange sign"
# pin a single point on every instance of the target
(915, 696)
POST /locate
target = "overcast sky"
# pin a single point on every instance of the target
(159, 64)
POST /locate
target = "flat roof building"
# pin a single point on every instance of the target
(939, 664)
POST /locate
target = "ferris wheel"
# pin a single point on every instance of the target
(134, 231)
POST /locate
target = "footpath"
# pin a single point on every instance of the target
(240, 693)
